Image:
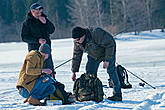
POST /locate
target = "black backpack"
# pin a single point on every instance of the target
(123, 78)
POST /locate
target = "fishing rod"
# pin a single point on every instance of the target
(63, 63)
(139, 78)
(54, 69)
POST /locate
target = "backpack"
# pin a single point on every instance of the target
(123, 78)
(88, 87)
(60, 94)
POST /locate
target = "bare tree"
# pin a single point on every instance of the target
(1, 30)
(158, 14)
(128, 15)
(86, 12)
(111, 11)
(149, 9)
(124, 14)
(62, 29)
(116, 16)
(79, 12)
(99, 13)
(136, 15)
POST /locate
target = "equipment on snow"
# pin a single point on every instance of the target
(140, 79)
(141, 84)
(87, 88)
(123, 78)
(53, 102)
(60, 93)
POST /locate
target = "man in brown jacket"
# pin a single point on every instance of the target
(100, 46)
(31, 84)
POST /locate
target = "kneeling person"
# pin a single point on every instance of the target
(31, 84)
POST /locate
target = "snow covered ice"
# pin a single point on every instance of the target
(144, 55)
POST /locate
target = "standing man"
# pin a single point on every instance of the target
(100, 46)
(32, 84)
(36, 30)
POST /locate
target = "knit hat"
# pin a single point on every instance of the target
(78, 32)
(45, 48)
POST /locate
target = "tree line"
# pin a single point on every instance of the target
(116, 16)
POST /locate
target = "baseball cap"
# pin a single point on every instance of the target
(35, 6)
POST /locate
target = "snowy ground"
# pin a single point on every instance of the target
(144, 55)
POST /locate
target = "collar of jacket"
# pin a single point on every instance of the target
(39, 54)
(88, 35)
(87, 40)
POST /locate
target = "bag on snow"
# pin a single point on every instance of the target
(123, 78)
(88, 87)
(60, 94)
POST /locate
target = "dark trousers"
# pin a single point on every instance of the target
(92, 68)
(49, 63)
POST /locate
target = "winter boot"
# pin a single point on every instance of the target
(35, 102)
(72, 98)
(115, 98)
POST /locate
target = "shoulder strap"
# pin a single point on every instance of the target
(125, 72)
(38, 52)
